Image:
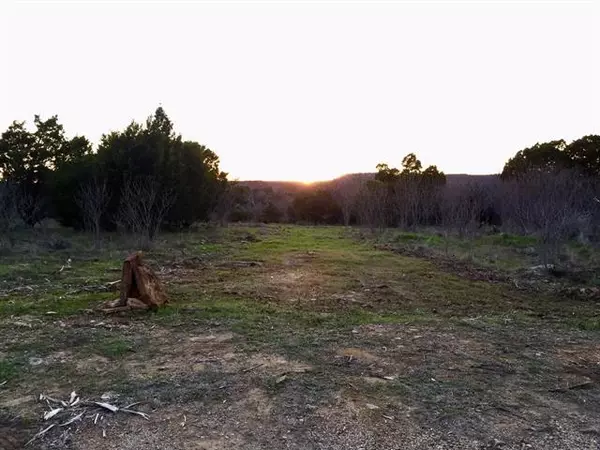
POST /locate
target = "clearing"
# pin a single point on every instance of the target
(288, 337)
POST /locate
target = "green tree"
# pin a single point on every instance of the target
(411, 165)
(387, 174)
(585, 154)
(317, 207)
(545, 157)
(197, 182)
(187, 169)
(410, 196)
(28, 159)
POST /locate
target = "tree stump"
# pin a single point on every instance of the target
(140, 287)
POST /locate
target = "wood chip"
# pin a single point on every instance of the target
(96, 418)
(281, 379)
(108, 406)
(51, 414)
(371, 406)
(72, 398)
(48, 398)
(103, 432)
(4, 382)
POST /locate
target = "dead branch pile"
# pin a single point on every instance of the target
(65, 414)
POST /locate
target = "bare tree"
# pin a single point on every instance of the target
(30, 205)
(143, 206)
(345, 192)
(225, 203)
(459, 209)
(371, 203)
(92, 199)
(551, 206)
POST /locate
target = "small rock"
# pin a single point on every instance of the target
(109, 395)
(33, 361)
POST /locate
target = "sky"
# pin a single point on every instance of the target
(308, 90)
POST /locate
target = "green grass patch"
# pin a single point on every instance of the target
(57, 303)
(113, 347)
(10, 368)
(507, 240)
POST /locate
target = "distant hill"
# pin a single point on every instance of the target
(293, 186)
(276, 186)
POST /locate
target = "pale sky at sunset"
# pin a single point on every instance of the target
(312, 90)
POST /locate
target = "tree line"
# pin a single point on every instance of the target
(140, 179)
(147, 177)
(551, 190)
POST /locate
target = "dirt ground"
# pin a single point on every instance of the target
(295, 338)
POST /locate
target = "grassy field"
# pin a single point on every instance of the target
(300, 338)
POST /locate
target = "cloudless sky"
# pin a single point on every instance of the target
(311, 90)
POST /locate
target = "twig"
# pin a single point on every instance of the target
(70, 421)
(584, 385)
(133, 404)
(139, 413)
(108, 406)
(506, 410)
(252, 368)
(52, 413)
(40, 434)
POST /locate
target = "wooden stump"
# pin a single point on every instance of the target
(140, 287)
